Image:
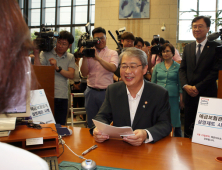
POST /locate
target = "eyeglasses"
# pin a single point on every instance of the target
(132, 67)
(198, 26)
(101, 38)
(167, 51)
(62, 44)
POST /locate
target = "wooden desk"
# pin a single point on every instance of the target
(49, 147)
(169, 153)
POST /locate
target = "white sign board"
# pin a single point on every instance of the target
(208, 123)
(40, 109)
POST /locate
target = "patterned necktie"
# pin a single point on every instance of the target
(198, 53)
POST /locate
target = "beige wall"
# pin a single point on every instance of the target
(161, 11)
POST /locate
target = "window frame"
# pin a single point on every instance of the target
(26, 9)
(190, 19)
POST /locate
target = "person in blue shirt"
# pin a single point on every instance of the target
(166, 74)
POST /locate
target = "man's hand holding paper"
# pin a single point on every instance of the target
(98, 136)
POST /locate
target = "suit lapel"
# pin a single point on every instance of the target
(143, 104)
(193, 50)
(204, 53)
(124, 104)
(162, 66)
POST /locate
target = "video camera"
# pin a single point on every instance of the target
(218, 49)
(45, 39)
(156, 49)
(88, 43)
(119, 33)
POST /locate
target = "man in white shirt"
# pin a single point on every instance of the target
(135, 102)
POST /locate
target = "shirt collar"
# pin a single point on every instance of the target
(139, 93)
(202, 43)
(102, 49)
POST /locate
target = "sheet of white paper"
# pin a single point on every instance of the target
(40, 109)
(113, 131)
(34, 141)
(208, 123)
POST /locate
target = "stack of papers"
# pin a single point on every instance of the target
(113, 131)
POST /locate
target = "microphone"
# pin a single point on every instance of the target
(213, 36)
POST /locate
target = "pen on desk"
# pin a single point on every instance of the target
(88, 150)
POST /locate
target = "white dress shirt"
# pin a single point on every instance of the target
(133, 104)
(202, 45)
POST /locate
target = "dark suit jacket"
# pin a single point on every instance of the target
(153, 112)
(204, 74)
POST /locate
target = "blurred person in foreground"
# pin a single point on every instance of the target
(14, 49)
(100, 70)
(166, 74)
(134, 102)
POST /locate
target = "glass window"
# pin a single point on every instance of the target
(81, 15)
(187, 5)
(185, 30)
(32, 32)
(50, 3)
(21, 4)
(188, 11)
(47, 10)
(187, 15)
(93, 14)
(92, 1)
(211, 5)
(220, 5)
(78, 32)
(81, 2)
(35, 17)
(64, 29)
(65, 2)
(50, 16)
(35, 3)
(65, 15)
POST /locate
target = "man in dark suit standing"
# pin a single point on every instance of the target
(135, 102)
(198, 71)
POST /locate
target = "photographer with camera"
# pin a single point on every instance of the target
(139, 43)
(127, 40)
(64, 65)
(154, 53)
(99, 70)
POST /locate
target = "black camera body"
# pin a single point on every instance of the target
(45, 39)
(156, 49)
(88, 43)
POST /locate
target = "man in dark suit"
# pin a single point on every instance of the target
(135, 102)
(198, 71)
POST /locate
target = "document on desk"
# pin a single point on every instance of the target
(113, 131)
(208, 123)
(40, 108)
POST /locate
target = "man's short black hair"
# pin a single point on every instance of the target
(128, 35)
(65, 35)
(138, 39)
(147, 43)
(98, 30)
(162, 41)
(206, 20)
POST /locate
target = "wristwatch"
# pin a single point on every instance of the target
(60, 68)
